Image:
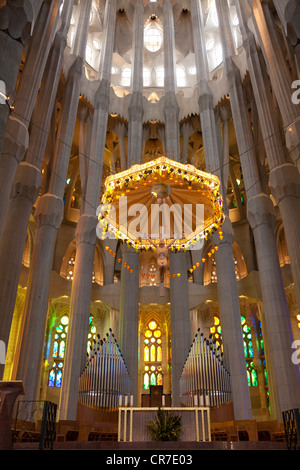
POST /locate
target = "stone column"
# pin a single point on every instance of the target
(286, 378)
(135, 125)
(230, 318)
(260, 214)
(180, 320)
(279, 75)
(86, 236)
(15, 29)
(284, 180)
(28, 175)
(16, 136)
(129, 316)
(227, 288)
(171, 108)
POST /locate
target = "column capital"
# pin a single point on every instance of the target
(227, 234)
(102, 96)
(285, 182)
(49, 211)
(292, 137)
(135, 108)
(86, 229)
(27, 182)
(16, 139)
(261, 211)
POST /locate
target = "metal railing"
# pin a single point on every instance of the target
(35, 422)
(205, 380)
(105, 378)
(291, 421)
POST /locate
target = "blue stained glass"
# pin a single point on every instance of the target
(55, 349)
(58, 379)
(51, 378)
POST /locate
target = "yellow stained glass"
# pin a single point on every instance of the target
(152, 353)
(148, 334)
(159, 379)
(217, 321)
(159, 353)
(146, 354)
(152, 325)
(157, 334)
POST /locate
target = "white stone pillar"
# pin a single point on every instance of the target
(284, 180)
(261, 215)
(16, 135)
(171, 108)
(49, 214)
(29, 169)
(86, 236)
(135, 124)
(180, 320)
(129, 316)
(230, 318)
(227, 288)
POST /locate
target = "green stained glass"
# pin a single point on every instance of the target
(249, 378)
(146, 381)
(153, 379)
(254, 378)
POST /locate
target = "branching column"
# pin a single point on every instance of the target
(86, 236)
(284, 179)
(129, 316)
(180, 320)
(227, 288)
(135, 125)
(28, 177)
(49, 214)
(172, 133)
(261, 216)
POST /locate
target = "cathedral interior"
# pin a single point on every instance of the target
(90, 89)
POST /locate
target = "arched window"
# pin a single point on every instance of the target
(89, 54)
(152, 37)
(180, 76)
(126, 76)
(160, 76)
(146, 77)
(216, 333)
(59, 346)
(152, 355)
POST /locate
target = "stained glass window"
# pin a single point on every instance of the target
(59, 347)
(152, 355)
(215, 331)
